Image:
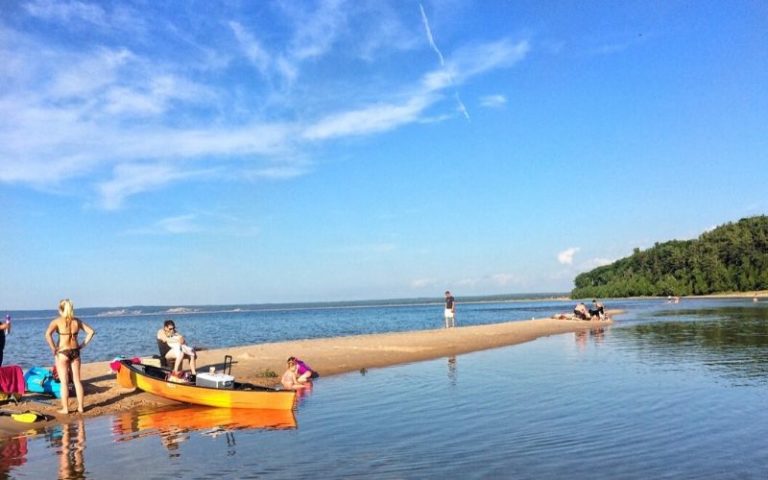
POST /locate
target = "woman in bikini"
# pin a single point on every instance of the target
(67, 354)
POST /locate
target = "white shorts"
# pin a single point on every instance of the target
(448, 313)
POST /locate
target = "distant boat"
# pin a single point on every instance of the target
(242, 395)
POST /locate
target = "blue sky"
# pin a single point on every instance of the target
(220, 152)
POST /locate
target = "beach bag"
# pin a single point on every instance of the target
(43, 380)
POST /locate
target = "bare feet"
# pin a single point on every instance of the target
(63, 412)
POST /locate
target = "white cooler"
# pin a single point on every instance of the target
(214, 380)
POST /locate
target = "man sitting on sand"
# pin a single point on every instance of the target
(597, 312)
(581, 312)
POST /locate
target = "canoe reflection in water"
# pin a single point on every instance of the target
(173, 425)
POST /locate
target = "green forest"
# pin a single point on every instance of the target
(731, 258)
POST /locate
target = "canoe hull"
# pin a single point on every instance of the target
(137, 376)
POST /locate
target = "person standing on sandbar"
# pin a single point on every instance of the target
(67, 353)
(450, 310)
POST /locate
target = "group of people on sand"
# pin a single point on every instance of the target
(581, 312)
(595, 312)
(298, 374)
(67, 347)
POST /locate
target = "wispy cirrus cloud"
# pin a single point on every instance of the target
(67, 11)
(131, 179)
(423, 283)
(490, 281)
(371, 119)
(198, 223)
(493, 101)
(179, 224)
(126, 120)
(251, 47)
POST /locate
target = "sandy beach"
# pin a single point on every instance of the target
(329, 356)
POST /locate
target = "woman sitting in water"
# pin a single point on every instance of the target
(67, 353)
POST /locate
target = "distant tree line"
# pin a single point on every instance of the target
(730, 258)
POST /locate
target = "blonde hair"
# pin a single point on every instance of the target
(67, 310)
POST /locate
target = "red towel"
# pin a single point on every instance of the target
(12, 379)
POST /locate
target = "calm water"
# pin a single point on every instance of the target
(669, 392)
(133, 334)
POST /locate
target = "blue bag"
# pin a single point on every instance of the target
(41, 380)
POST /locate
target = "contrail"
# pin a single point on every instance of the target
(432, 43)
(429, 35)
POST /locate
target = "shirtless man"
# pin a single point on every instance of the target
(178, 347)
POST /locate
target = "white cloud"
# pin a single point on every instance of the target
(146, 118)
(566, 256)
(64, 11)
(504, 279)
(373, 119)
(282, 172)
(179, 224)
(493, 101)
(317, 30)
(422, 283)
(252, 48)
(478, 59)
(198, 223)
(130, 179)
(596, 262)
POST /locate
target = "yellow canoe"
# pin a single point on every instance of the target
(243, 395)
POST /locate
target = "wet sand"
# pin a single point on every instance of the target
(264, 364)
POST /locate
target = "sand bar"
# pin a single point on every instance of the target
(329, 356)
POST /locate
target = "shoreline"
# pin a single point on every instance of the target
(328, 356)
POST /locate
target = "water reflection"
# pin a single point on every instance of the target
(732, 340)
(174, 426)
(597, 334)
(13, 453)
(69, 441)
(453, 373)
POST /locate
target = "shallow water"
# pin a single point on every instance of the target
(215, 327)
(672, 392)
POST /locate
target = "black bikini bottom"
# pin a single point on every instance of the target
(71, 354)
